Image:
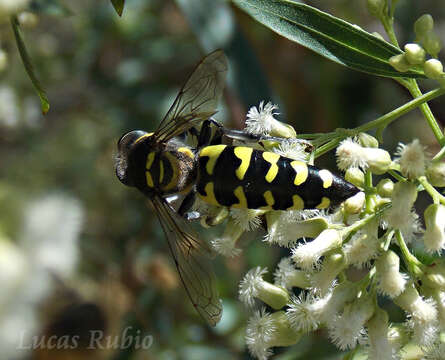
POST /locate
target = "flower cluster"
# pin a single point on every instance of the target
(415, 53)
(372, 232)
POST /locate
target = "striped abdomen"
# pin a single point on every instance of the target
(243, 177)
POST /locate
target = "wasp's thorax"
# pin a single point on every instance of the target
(154, 167)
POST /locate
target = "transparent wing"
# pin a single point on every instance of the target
(191, 257)
(198, 98)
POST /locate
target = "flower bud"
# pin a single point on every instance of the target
(385, 188)
(398, 336)
(367, 140)
(435, 173)
(423, 25)
(307, 255)
(288, 277)
(28, 19)
(376, 7)
(378, 160)
(434, 275)
(265, 331)
(379, 346)
(415, 54)
(285, 231)
(433, 69)
(332, 265)
(434, 237)
(391, 281)
(432, 44)
(253, 286)
(355, 176)
(354, 204)
(399, 62)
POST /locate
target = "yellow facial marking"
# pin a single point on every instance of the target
(149, 179)
(268, 196)
(210, 195)
(298, 203)
(327, 178)
(213, 153)
(143, 137)
(301, 170)
(150, 159)
(244, 154)
(161, 172)
(173, 164)
(271, 158)
(325, 202)
(239, 193)
(186, 151)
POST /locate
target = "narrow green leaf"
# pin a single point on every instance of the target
(118, 6)
(331, 37)
(44, 103)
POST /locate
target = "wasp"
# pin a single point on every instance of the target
(159, 165)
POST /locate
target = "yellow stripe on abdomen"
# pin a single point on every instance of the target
(244, 154)
(212, 152)
(301, 171)
(271, 158)
(210, 194)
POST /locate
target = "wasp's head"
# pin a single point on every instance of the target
(125, 146)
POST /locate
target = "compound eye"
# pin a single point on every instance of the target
(126, 141)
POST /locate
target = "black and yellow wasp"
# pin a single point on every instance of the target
(158, 164)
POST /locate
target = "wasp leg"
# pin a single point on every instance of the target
(187, 203)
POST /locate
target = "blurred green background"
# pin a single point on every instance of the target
(81, 252)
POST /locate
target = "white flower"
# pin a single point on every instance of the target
(285, 228)
(253, 286)
(435, 351)
(261, 121)
(434, 237)
(292, 150)
(341, 294)
(379, 347)
(363, 246)
(423, 315)
(412, 159)
(390, 281)
(259, 332)
(351, 154)
(287, 276)
(226, 244)
(332, 265)
(348, 328)
(247, 219)
(266, 330)
(304, 312)
(400, 215)
(307, 255)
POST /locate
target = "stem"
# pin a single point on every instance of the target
(388, 237)
(362, 222)
(386, 119)
(388, 23)
(368, 187)
(413, 88)
(396, 175)
(431, 190)
(411, 262)
(383, 120)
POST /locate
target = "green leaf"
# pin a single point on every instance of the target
(118, 6)
(331, 37)
(44, 103)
